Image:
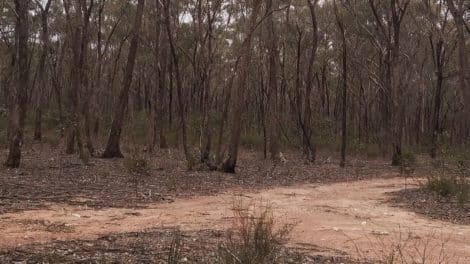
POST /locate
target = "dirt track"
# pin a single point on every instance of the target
(350, 217)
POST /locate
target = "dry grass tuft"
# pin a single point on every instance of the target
(256, 238)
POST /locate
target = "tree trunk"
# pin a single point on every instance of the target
(42, 72)
(78, 26)
(113, 149)
(309, 146)
(464, 70)
(438, 57)
(157, 97)
(239, 95)
(17, 116)
(397, 113)
(344, 57)
(273, 83)
(179, 85)
(207, 131)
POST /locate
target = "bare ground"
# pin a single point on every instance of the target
(349, 217)
(49, 176)
(57, 210)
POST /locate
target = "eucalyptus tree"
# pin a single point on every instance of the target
(18, 113)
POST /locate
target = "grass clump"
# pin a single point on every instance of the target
(254, 239)
(136, 164)
(452, 181)
(175, 247)
(406, 159)
(451, 187)
(410, 249)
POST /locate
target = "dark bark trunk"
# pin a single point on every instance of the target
(344, 57)
(309, 145)
(113, 149)
(438, 57)
(18, 115)
(179, 85)
(239, 96)
(42, 72)
(273, 83)
(457, 9)
(159, 80)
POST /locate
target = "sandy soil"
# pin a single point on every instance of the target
(351, 217)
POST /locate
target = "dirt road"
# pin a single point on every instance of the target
(350, 217)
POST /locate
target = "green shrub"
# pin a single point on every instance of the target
(451, 187)
(444, 186)
(407, 159)
(251, 140)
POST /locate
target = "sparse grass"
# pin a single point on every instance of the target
(450, 186)
(406, 160)
(451, 180)
(255, 237)
(412, 249)
(175, 247)
(136, 164)
(406, 248)
(369, 150)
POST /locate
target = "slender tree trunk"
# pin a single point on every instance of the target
(438, 56)
(113, 149)
(42, 71)
(179, 85)
(162, 95)
(397, 113)
(344, 57)
(206, 132)
(157, 98)
(17, 116)
(309, 146)
(78, 26)
(457, 9)
(273, 83)
(239, 95)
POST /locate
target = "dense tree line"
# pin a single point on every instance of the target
(392, 73)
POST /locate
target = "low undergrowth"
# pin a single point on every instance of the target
(451, 180)
(255, 238)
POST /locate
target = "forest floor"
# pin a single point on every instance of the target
(56, 210)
